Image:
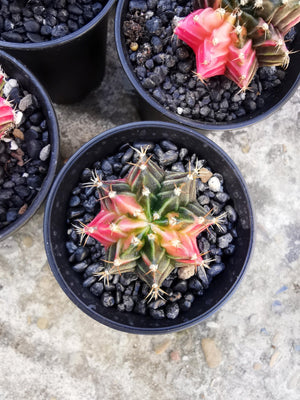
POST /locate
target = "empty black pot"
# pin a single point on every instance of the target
(71, 66)
(55, 234)
(149, 108)
(28, 81)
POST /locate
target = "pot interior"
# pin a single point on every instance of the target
(14, 69)
(149, 108)
(55, 226)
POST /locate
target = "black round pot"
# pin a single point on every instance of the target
(149, 108)
(55, 234)
(29, 82)
(71, 66)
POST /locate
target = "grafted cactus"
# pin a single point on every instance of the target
(7, 114)
(149, 223)
(235, 37)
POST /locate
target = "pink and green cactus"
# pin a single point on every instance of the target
(235, 37)
(149, 223)
(7, 114)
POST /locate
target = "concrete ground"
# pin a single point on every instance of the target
(250, 349)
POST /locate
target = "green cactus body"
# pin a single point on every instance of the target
(149, 223)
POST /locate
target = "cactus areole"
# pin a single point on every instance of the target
(234, 38)
(149, 223)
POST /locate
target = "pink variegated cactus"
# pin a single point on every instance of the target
(235, 37)
(7, 114)
(149, 223)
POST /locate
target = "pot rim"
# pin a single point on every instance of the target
(54, 155)
(173, 116)
(60, 41)
(47, 229)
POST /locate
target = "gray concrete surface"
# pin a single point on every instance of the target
(250, 349)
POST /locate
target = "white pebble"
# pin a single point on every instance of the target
(18, 118)
(44, 154)
(179, 110)
(25, 175)
(149, 14)
(214, 184)
(13, 145)
(25, 102)
(9, 85)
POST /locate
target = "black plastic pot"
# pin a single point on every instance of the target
(149, 108)
(29, 82)
(55, 234)
(69, 67)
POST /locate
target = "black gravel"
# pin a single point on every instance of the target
(23, 21)
(24, 157)
(165, 67)
(127, 292)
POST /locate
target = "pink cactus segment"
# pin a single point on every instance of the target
(104, 229)
(7, 116)
(199, 225)
(221, 36)
(126, 224)
(127, 204)
(242, 64)
(198, 25)
(181, 246)
(207, 61)
(131, 239)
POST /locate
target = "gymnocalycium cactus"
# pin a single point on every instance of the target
(149, 222)
(7, 114)
(235, 37)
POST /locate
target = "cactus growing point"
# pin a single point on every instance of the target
(235, 37)
(149, 223)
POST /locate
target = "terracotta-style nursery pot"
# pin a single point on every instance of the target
(55, 228)
(71, 66)
(30, 83)
(150, 108)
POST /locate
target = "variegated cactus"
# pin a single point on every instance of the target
(235, 37)
(7, 114)
(149, 223)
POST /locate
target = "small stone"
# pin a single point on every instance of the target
(214, 184)
(45, 152)
(205, 174)
(275, 357)
(168, 158)
(81, 253)
(107, 299)
(34, 148)
(27, 241)
(186, 272)
(97, 288)
(167, 145)
(59, 31)
(162, 347)
(212, 353)
(257, 366)
(18, 134)
(9, 85)
(42, 323)
(175, 355)
(223, 241)
(172, 310)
